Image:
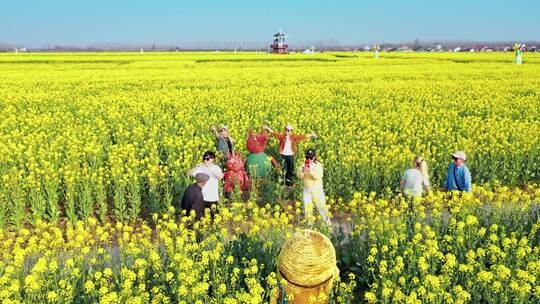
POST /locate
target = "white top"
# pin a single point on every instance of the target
(287, 147)
(414, 182)
(210, 191)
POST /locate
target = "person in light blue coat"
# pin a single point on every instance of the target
(458, 176)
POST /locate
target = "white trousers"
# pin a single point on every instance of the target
(315, 196)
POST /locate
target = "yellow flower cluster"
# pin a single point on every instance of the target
(444, 248)
(113, 134)
(224, 260)
(447, 248)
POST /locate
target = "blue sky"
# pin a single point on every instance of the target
(87, 22)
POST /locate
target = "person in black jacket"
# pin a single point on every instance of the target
(193, 197)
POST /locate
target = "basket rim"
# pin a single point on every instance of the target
(305, 286)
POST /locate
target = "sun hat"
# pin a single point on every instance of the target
(224, 127)
(460, 154)
(307, 262)
(288, 127)
(202, 177)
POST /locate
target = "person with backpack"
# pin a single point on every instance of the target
(458, 176)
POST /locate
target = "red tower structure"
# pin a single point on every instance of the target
(279, 46)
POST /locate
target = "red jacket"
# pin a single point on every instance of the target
(293, 138)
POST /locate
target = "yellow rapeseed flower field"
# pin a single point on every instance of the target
(440, 249)
(79, 130)
(95, 146)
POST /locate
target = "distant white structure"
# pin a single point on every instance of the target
(311, 50)
(376, 49)
(142, 51)
(486, 49)
(367, 48)
(458, 49)
(404, 48)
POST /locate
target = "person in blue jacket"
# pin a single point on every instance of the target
(458, 176)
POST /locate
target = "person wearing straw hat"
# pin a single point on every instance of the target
(458, 176)
(311, 172)
(224, 142)
(193, 196)
(287, 149)
(308, 266)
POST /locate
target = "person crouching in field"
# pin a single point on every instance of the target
(211, 189)
(415, 179)
(458, 176)
(193, 197)
(311, 172)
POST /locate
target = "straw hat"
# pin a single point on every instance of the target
(308, 263)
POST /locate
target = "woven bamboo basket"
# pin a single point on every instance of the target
(307, 262)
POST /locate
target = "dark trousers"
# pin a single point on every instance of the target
(288, 164)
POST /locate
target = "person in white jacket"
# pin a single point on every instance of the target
(311, 172)
(210, 190)
(415, 179)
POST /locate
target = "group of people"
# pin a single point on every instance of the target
(416, 179)
(204, 193)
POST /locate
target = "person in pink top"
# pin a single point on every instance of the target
(287, 149)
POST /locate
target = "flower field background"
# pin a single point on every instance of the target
(93, 144)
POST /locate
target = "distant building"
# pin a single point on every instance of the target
(486, 49)
(279, 46)
(404, 48)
